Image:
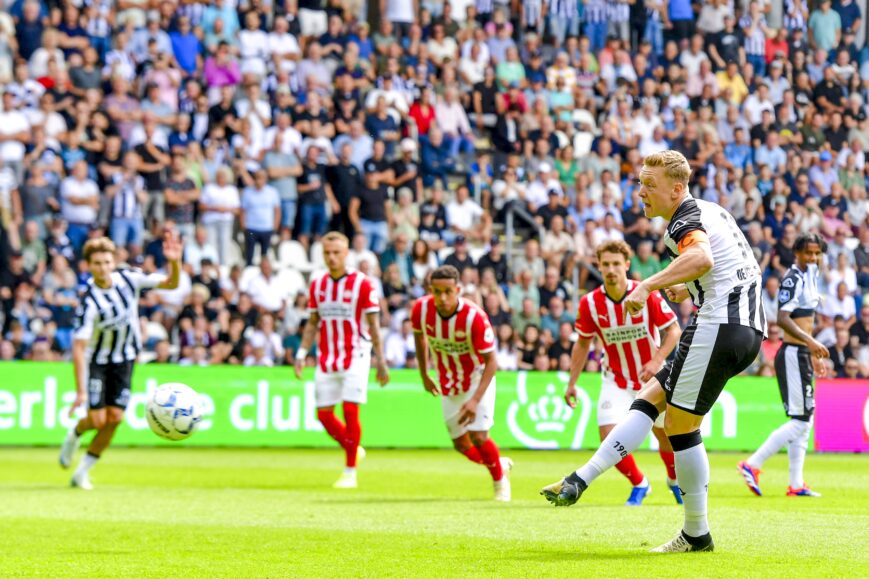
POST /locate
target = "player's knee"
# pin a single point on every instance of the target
(98, 418)
(324, 414)
(114, 417)
(801, 427)
(479, 438)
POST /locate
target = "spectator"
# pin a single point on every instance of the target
(260, 215)
(219, 205)
(79, 204)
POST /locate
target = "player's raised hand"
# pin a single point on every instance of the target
(678, 293)
(468, 412)
(430, 385)
(636, 300)
(570, 396)
(382, 373)
(172, 247)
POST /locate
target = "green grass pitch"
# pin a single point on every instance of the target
(177, 512)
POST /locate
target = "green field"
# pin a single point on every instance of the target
(242, 513)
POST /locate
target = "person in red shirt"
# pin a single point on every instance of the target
(422, 111)
(345, 311)
(461, 340)
(636, 348)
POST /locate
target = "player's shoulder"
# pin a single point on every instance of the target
(689, 216)
(792, 277)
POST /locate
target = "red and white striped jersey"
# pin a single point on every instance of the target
(629, 342)
(342, 304)
(457, 342)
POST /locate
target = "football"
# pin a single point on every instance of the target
(174, 411)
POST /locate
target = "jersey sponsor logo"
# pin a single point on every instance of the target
(784, 296)
(114, 323)
(788, 282)
(665, 307)
(624, 334)
(489, 335)
(448, 346)
(336, 310)
(460, 335)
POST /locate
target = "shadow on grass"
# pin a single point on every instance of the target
(553, 556)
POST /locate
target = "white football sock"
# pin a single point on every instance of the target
(797, 455)
(692, 470)
(622, 440)
(350, 470)
(779, 438)
(86, 463)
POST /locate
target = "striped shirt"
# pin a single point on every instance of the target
(533, 12)
(755, 43)
(342, 304)
(730, 292)
(98, 22)
(457, 343)
(484, 6)
(799, 294)
(793, 17)
(565, 8)
(125, 203)
(618, 11)
(109, 318)
(629, 341)
(595, 11)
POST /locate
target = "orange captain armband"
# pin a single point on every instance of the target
(693, 238)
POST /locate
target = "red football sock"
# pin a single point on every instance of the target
(353, 432)
(629, 468)
(333, 426)
(491, 458)
(473, 454)
(669, 459)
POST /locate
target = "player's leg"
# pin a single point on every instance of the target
(717, 353)
(665, 450)
(624, 438)
(463, 445)
(354, 393)
(94, 419)
(797, 447)
(612, 405)
(790, 385)
(327, 389)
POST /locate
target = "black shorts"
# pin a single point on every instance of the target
(109, 385)
(707, 357)
(794, 372)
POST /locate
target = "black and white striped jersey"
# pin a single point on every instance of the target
(730, 292)
(109, 318)
(799, 294)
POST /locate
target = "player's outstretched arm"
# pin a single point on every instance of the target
(172, 250)
(307, 339)
(694, 261)
(468, 411)
(376, 342)
(421, 343)
(578, 358)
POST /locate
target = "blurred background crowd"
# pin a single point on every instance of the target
(500, 136)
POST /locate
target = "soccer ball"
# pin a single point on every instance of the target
(174, 411)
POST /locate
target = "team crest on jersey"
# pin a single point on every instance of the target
(348, 295)
(788, 282)
(784, 295)
(489, 336)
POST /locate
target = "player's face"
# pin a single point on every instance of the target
(614, 269)
(102, 265)
(810, 255)
(446, 296)
(335, 255)
(656, 191)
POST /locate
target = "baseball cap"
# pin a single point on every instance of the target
(825, 156)
(408, 145)
(495, 240)
(460, 238)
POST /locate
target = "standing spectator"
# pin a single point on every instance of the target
(371, 213)
(127, 195)
(220, 203)
(181, 195)
(80, 203)
(260, 216)
(825, 27)
(283, 167)
(314, 194)
(14, 133)
(152, 167)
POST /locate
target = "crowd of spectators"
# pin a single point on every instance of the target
(420, 129)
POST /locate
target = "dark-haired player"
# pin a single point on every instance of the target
(106, 343)
(462, 343)
(797, 360)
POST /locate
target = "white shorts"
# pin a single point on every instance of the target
(614, 402)
(350, 385)
(451, 405)
(312, 22)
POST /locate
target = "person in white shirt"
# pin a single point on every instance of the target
(265, 289)
(198, 248)
(268, 349)
(48, 51)
(452, 119)
(80, 204)
(283, 47)
(219, 204)
(399, 347)
(466, 217)
(14, 132)
(360, 253)
(253, 46)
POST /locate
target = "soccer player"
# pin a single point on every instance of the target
(636, 348)
(106, 343)
(713, 265)
(345, 310)
(795, 364)
(462, 342)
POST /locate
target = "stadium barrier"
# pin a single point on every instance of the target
(269, 407)
(842, 417)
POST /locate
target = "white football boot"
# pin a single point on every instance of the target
(502, 487)
(69, 448)
(81, 480)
